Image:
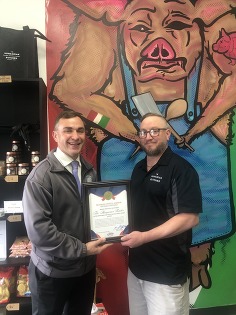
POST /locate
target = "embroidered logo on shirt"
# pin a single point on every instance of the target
(156, 178)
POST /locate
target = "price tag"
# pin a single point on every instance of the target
(15, 218)
(13, 307)
(5, 79)
(11, 178)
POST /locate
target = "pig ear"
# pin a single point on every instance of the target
(223, 33)
(111, 10)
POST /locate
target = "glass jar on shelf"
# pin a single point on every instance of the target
(12, 157)
(23, 169)
(11, 169)
(16, 146)
(35, 157)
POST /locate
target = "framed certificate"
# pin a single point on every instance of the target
(107, 209)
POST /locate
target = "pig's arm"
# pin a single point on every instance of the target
(90, 104)
(89, 79)
(216, 108)
(223, 98)
(114, 120)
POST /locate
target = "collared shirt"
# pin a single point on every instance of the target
(65, 160)
(169, 188)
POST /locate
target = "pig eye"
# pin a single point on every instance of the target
(141, 28)
(177, 25)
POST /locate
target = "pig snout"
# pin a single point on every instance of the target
(159, 49)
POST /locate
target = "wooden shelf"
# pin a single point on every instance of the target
(23, 104)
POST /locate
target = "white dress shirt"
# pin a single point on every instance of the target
(65, 160)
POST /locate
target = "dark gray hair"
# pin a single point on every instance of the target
(67, 114)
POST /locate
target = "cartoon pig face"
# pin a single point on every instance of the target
(222, 45)
(160, 39)
(226, 43)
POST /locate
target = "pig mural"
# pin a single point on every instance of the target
(183, 53)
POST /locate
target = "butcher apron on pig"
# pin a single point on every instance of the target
(209, 159)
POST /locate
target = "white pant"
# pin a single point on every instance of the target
(149, 298)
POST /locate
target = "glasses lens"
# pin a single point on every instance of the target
(142, 134)
(154, 132)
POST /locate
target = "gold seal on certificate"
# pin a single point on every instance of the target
(107, 209)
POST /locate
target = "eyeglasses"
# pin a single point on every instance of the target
(153, 132)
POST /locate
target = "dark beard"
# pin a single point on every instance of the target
(155, 152)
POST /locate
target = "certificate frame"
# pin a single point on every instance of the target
(107, 210)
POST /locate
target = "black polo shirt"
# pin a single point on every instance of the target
(169, 188)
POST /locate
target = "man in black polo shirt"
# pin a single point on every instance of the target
(166, 200)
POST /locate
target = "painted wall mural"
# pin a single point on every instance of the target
(184, 53)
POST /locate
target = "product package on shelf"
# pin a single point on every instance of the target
(21, 247)
(7, 283)
(13, 281)
(99, 309)
(22, 285)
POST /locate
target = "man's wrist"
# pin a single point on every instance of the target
(145, 237)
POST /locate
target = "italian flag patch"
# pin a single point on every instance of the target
(98, 119)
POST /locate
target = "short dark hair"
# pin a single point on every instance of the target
(67, 114)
